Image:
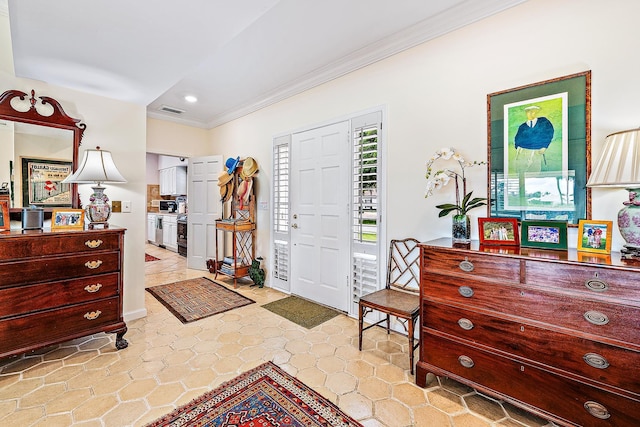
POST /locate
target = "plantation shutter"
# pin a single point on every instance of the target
(280, 213)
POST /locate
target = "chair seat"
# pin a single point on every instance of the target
(397, 302)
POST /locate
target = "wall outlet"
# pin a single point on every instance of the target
(116, 206)
(126, 206)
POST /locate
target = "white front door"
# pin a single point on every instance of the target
(204, 208)
(320, 188)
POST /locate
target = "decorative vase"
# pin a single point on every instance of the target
(461, 229)
(98, 209)
(629, 221)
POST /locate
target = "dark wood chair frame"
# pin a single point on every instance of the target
(401, 295)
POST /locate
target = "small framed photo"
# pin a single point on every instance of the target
(498, 231)
(544, 234)
(5, 219)
(67, 219)
(594, 236)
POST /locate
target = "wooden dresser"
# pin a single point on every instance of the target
(554, 332)
(57, 286)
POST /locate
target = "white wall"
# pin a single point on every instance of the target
(174, 139)
(435, 96)
(120, 128)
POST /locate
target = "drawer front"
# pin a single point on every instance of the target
(601, 282)
(19, 300)
(597, 361)
(56, 244)
(471, 264)
(49, 326)
(58, 268)
(565, 398)
(614, 321)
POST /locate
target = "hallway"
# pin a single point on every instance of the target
(86, 382)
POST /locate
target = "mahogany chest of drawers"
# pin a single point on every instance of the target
(554, 332)
(57, 286)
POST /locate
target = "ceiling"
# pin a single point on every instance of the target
(235, 56)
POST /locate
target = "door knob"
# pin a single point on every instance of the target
(294, 225)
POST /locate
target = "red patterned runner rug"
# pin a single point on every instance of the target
(265, 396)
(149, 258)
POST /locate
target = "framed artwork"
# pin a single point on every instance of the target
(544, 234)
(67, 219)
(594, 236)
(498, 231)
(539, 150)
(42, 183)
(5, 219)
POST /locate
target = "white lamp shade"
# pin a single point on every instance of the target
(619, 165)
(96, 166)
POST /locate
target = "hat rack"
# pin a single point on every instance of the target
(235, 234)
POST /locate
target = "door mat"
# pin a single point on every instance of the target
(149, 258)
(301, 311)
(195, 299)
(265, 396)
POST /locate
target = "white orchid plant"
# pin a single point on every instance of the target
(438, 179)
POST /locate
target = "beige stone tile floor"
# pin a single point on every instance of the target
(87, 382)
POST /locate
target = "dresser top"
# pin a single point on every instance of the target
(569, 255)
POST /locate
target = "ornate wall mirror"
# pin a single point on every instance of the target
(39, 146)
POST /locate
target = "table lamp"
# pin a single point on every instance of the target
(97, 167)
(619, 166)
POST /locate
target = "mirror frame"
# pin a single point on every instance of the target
(58, 119)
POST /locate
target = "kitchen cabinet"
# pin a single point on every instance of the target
(173, 181)
(170, 232)
(151, 228)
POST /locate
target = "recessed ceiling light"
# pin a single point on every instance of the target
(190, 98)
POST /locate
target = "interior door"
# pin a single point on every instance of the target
(320, 188)
(204, 208)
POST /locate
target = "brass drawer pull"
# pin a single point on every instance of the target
(93, 315)
(465, 291)
(596, 318)
(466, 265)
(466, 361)
(465, 324)
(596, 285)
(93, 243)
(597, 410)
(595, 360)
(93, 288)
(93, 264)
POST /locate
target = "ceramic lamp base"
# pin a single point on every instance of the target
(629, 224)
(98, 210)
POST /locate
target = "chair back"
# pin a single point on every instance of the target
(403, 270)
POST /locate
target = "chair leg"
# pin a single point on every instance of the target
(360, 323)
(388, 324)
(410, 331)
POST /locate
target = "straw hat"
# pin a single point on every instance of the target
(249, 168)
(224, 178)
(226, 191)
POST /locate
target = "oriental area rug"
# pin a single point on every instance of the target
(194, 299)
(265, 396)
(301, 311)
(149, 258)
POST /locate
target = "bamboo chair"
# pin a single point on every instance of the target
(401, 295)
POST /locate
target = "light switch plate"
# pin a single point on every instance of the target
(126, 206)
(116, 206)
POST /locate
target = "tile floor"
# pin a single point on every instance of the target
(86, 382)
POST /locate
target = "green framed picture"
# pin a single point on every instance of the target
(539, 150)
(544, 234)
